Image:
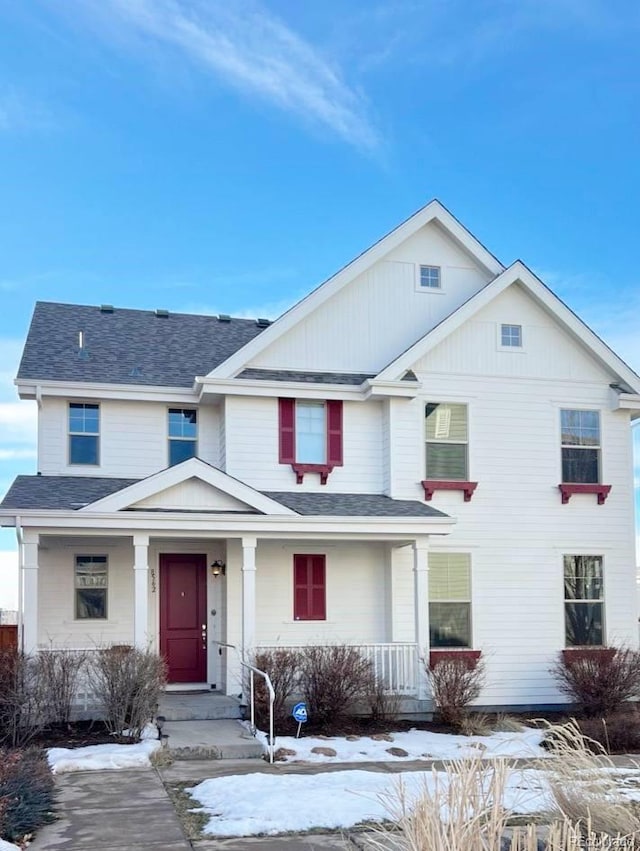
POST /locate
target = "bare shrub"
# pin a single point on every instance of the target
(617, 733)
(21, 713)
(283, 667)
(384, 706)
(583, 785)
(58, 674)
(128, 683)
(599, 682)
(332, 678)
(455, 684)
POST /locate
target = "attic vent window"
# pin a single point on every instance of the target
(430, 278)
(224, 317)
(106, 308)
(511, 336)
(161, 313)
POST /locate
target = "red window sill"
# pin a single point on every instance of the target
(577, 654)
(322, 469)
(432, 485)
(471, 657)
(568, 490)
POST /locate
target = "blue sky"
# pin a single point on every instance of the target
(208, 155)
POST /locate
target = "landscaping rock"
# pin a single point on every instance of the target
(397, 752)
(324, 751)
(282, 753)
(353, 738)
(381, 737)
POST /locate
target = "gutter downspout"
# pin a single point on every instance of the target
(19, 538)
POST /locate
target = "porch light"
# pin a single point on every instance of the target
(218, 568)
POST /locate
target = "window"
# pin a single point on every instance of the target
(309, 588)
(449, 600)
(511, 336)
(91, 583)
(183, 434)
(446, 436)
(583, 601)
(311, 433)
(580, 446)
(430, 277)
(84, 433)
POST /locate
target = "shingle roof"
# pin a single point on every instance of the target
(308, 377)
(52, 493)
(128, 346)
(353, 505)
(67, 493)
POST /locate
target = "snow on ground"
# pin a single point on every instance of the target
(419, 744)
(8, 846)
(248, 805)
(102, 757)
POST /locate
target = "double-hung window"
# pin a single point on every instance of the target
(310, 436)
(183, 434)
(311, 433)
(449, 600)
(84, 433)
(580, 446)
(583, 601)
(447, 441)
(91, 586)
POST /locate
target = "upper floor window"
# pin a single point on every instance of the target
(583, 601)
(449, 600)
(311, 433)
(511, 336)
(430, 278)
(183, 434)
(310, 436)
(91, 586)
(580, 446)
(84, 433)
(447, 441)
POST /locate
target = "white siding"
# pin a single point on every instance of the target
(515, 527)
(133, 439)
(252, 448)
(373, 319)
(190, 495)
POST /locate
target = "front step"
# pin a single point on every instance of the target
(197, 706)
(210, 740)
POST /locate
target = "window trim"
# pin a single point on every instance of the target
(71, 434)
(86, 555)
(455, 649)
(502, 347)
(314, 403)
(195, 440)
(418, 278)
(602, 600)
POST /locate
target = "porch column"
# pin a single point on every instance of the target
(248, 594)
(421, 601)
(141, 591)
(29, 600)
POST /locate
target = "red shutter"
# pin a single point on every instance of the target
(287, 430)
(309, 588)
(334, 433)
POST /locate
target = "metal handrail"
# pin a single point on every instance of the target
(272, 696)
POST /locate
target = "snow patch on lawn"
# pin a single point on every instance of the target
(8, 846)
(102, 757)
(419, 744)
(253, 804)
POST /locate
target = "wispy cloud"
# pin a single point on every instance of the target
(248, 48)
(20, 113)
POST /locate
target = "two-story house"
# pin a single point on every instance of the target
(429, 451)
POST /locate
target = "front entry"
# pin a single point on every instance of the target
(183, 617)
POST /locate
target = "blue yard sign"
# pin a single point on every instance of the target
(299, 712)
(300, 715)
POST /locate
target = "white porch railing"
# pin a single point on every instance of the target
(395, 664)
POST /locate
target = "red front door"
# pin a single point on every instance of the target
(183, 616)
